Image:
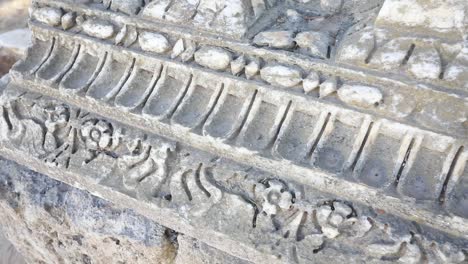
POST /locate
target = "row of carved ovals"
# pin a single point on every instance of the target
(215, 58)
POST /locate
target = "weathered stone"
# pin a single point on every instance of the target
(50, 221)
(129, 7)
(425, 63)
(238, 65)
(359, 95)
(213, 58)
(179, 47)
(222, 149)
(252, 69)
(328, 87)
(314, 43)
(275, 39)
(392, 54)
(49, 16)
(68, 20)
(355, 49)
(457, 70)
(150, 41)
(281, 75)
(311, 82)
(424, 16)
(98, 28)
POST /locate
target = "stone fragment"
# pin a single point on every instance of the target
(213, 57)
(98, 28)
(178, 49)
(238, 65)
(311, 83)
(153, 42)
(360, 95)
(275, 39)
(425, 63)
(314, 43)
(127, 36)
(129, 7)
(281, 75)
(328, 87)
(68, 20)
(190, 48)
(48, 15)
(252, 69)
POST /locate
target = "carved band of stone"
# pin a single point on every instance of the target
(201, 192)
(391, 99)
(364, 45)
(229, 118)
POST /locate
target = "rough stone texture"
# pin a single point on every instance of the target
(263, 131)
(51, 222)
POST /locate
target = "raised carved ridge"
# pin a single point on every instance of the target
(342, 144)
(181, 183)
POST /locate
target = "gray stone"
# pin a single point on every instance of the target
(50, 222)
(314, 43)
(98, 28)
(281, 75)
(213, 58)
(206, 147)
(47, 15)
(150, 41)
(425, 63)
(359, 95)
(275, 39)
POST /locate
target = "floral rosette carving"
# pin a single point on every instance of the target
(335, 218)
(99, 137)
(275, 197)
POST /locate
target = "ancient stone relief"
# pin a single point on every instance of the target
(295, 78)
(275, 216)
(294, 128)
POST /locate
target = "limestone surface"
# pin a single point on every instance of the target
(246, 131)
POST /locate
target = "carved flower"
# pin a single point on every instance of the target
(275, 198)
(338, 217)
(97, 134)
(57, 116)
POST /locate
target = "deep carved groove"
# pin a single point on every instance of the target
(404, 163)
(97, 72)
(181, 98)
(185, 185)
(246, 116)
(281, 123)
(361, 148)
(408, 55)
(212, 107)
(46, 58)
(319, 136)
(198, 181)
(442, 196)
